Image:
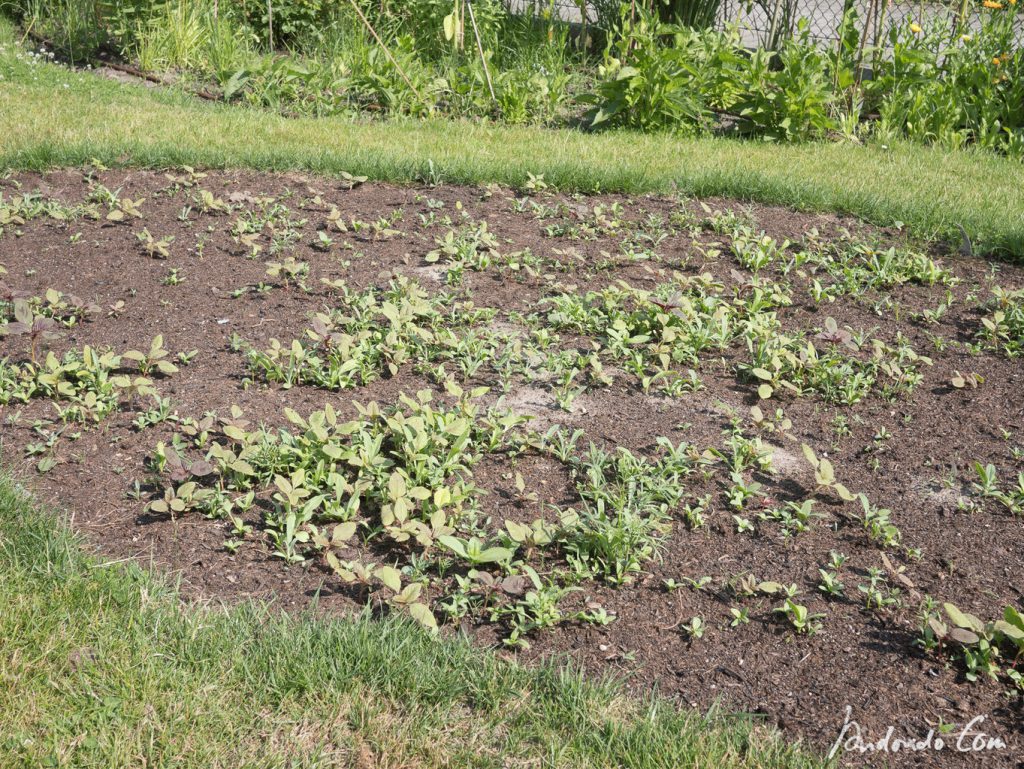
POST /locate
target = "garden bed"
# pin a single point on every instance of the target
(563, 307)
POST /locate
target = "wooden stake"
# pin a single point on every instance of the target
(387, 53)
(480, 48)
(773, 28)
(270, 25)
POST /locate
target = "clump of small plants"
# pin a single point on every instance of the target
(982, 649)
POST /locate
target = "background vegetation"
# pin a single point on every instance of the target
(938, 80)
(52, 117)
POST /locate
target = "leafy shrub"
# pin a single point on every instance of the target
(294, 21)
(696, 14)
(77, 29)
(968, 90)
(931, 84)
(674, 86)
(664, 87)
(789, 100)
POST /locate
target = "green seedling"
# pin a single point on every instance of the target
(156, 359)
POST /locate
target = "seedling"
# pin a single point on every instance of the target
(970, 380)
(698, 584)
(824, 474)
(173, 277)
(156, 359)
(474, 551)
(537, 610)
(740, 616)
(155, 248)
(877, 522)
(743, 525)
(35, 327)
(289, 270)
(799, 617)
(176, 501)
(694, 629)
(977, 642)
(877, 593)
(125, 207)
(830, 584)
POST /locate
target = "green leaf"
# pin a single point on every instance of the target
(235, 84)
(517, 531)
(810, 455)
(235, 433)
(410, 593)
(390, 576)
(962, 619)
(1013, 617)
(963, 636)
(23, 312)
(396, 486)
(343, 532)
(1012, 632)
(419, 493)
(844, 493)
(242, 467)
(422, 614)
(453, 544)
(494, 555)
(293, 416)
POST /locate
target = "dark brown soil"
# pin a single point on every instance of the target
(867, 661)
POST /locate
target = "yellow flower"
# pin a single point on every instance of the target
(1013, 2)
(993, 5)
(996, 61)
(916, 29)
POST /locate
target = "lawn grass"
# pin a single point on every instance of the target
(101, 666)
(52, 117)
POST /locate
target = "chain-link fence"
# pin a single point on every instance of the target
(764, 22)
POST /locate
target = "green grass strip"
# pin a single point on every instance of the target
(52, 117)
(102, 666)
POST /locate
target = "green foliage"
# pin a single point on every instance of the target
(954, 90)
(979, 645)
(786, 95)
(664, 68)
(626, 511)
(1004, 327)
(799, 618)
(155, 653)
(662, 87)
(87, 380)
(652, 333)
(787, 364)
(373, 333)
(660, 77)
